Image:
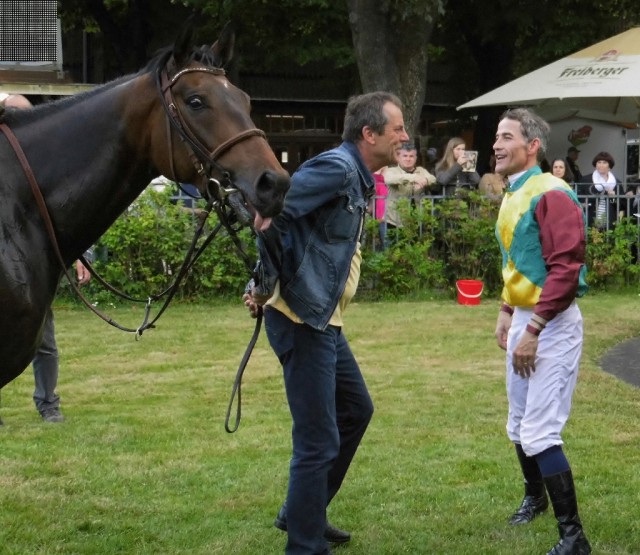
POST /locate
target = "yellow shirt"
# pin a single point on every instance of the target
(277, 302)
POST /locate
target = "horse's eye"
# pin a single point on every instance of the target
(195, 102)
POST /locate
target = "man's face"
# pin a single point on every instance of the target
(388, 144)
(513, 153)
(407, 159)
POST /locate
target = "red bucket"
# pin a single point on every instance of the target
(469, 291)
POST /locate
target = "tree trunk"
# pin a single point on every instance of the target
(391, 53)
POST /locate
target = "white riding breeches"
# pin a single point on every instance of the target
(539, 406)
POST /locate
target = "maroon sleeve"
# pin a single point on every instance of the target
(562, 236)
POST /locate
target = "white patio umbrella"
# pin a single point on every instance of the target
(601, 82)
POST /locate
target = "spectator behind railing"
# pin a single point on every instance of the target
(407, 180)
(378, 205)
(492, 184)
(633, 194)
(603, 203)
(572, 163)
(450, 172)
(560, 169)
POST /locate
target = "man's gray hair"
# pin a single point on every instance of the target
(532, 126)
(366, 110)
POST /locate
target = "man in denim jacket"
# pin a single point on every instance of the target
(307, 274)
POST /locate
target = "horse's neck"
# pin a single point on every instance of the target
(89, 162)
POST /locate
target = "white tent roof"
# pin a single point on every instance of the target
(600, 82)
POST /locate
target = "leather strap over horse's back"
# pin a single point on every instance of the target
(22, 158)
(44, 212)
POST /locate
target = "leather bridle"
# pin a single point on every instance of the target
(203, 159)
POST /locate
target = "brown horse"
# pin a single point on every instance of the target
(91, 156)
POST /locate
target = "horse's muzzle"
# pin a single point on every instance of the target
(270, 191)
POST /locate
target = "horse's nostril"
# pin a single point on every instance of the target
(271, 182)
(270, 191)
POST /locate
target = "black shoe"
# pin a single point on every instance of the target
(529, 509)
(52, 415)
(331, 533)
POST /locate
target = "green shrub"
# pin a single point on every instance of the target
(142, 253)
(466, 238)
(443, 240)
(612, 255)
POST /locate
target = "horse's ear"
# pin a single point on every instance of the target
(223, 47)
(183, 44)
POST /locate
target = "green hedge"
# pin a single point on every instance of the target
(142, 252)
(442, 241)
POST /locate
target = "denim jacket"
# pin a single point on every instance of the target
(309, 246)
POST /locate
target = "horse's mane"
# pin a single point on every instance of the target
(203, 54)
(12, 116)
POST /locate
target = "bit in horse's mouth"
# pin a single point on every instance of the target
(241, 208)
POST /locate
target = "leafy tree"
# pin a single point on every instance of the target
(132, 29)
(487, 42)
(274, 35)
(388, 39)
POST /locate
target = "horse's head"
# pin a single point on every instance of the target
(213, 142)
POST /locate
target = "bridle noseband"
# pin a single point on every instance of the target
(204, 159)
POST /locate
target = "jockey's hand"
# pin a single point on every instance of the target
(502, 329)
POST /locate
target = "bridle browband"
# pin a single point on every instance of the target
(204, 160)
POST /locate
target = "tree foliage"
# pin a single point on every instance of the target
(273, 36)
(387, 42)
(517, 38)
(132, 29)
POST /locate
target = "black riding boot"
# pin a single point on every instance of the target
(535, 498)
(565, 506)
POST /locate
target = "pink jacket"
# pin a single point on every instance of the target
(381, 197)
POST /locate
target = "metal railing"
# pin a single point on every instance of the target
(623, 206)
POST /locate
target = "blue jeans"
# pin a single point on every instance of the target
(331, 408)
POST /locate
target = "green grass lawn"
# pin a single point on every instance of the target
(143, 465)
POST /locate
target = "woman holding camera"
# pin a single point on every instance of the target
(455, 170)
